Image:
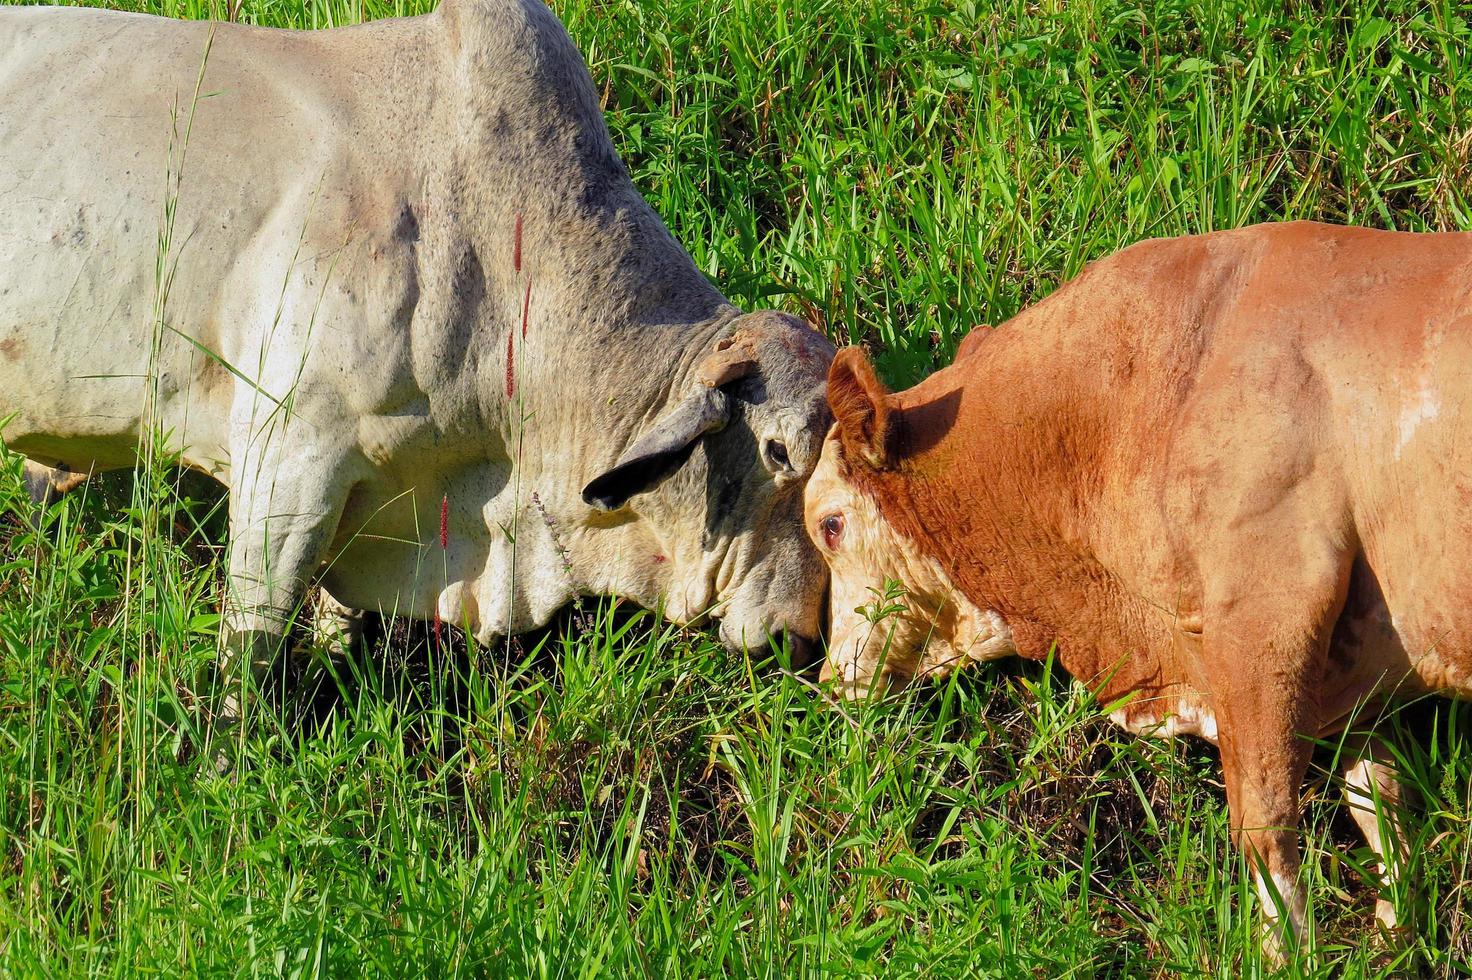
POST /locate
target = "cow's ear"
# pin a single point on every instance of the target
(860, 404)
(661, 450)
(973, 340)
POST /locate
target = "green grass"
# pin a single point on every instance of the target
(617, 797)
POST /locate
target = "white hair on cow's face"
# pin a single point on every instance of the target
(879, 635)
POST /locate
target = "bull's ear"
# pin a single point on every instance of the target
(661, 450)
(860, 406)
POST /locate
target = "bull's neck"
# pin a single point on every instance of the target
(521, 183)
(999, 460)
(568, 264)
(605, 300)
(534, 211)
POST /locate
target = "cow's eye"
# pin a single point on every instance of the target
(777, 454)
(832, 528)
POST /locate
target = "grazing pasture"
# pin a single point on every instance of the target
(617, 796)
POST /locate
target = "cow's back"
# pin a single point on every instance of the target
(1313, 381)
(118, 165)
(1306, 380)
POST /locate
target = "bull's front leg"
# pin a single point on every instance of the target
(1266, 672)
(1268, 617)
(284, 511)
(336, 627)
(1265, 649)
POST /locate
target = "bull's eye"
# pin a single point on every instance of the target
(777, 455)
(832, 528)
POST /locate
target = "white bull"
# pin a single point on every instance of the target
(364, 274)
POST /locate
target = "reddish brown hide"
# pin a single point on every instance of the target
(1225, 474)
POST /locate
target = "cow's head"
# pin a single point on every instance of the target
(726, 466)
(895, 612)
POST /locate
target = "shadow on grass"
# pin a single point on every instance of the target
(603, 726)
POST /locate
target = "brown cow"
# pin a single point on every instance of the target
(1222, 473)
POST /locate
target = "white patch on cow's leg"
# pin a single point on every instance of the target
(1373, 791)
(1264, 768)
(1386, 917)
(1285, 912)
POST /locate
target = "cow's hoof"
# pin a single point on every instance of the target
(214, 755)
(1390, 932)
(38, 486)
(216, 745)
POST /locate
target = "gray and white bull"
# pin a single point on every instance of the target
(380, 278)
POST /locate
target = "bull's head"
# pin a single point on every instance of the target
(726, 467)
(896, 615)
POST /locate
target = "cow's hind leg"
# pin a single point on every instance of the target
(1372, 788)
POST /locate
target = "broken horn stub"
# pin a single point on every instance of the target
(734, 358)
(735, 355)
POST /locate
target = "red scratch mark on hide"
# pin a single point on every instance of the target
(659, 559)
(444, 546)
(516, 245)
(526, 305)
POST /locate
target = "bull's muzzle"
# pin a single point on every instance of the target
(801, 650)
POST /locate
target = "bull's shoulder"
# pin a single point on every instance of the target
(522, 33)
